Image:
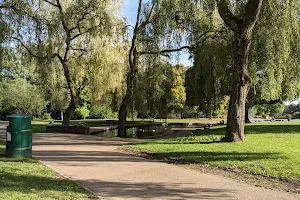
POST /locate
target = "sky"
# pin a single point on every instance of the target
(130, 11)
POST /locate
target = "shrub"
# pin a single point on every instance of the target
(102, 112)
(46, 116)
(81, 112)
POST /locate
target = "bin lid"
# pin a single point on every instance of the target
(18, 116)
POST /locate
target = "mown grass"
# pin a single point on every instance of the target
(25, 179)
(190, 120)
(39, 128)
(270, 150)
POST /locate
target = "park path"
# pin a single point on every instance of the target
(97, 165)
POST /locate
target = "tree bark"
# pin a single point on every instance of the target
(240, 87)
(69, 114)
(122, 118)
(72, 106)
(124, 104)
(242, 26)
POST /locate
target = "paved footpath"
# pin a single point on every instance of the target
(97, 165)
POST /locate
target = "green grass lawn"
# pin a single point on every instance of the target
(39, 128)
(271, 150)
(190, 120)
(28, 179)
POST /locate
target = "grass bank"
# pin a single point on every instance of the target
(271, 151)
(25, 179)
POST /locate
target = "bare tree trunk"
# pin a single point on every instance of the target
(69, 114)
(72, 106)
(124, 105)
(242, 26)
(122, 118)
(240, 87)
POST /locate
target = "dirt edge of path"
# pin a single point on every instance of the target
(237, 174)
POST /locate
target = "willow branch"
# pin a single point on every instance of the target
(252, 11)
(53, 4)
(32, 53)
(188, 47)
(148, 19)
(228, 17)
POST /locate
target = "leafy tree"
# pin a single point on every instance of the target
(272, 71)
(151, 36)
(207, 82)
(82, 112)
(153, 90)
(19, 96)
(60, 30)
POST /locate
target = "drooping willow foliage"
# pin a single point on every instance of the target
(275, 55)
(274, 60)
(87, 35)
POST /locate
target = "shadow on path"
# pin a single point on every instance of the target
(150, 190)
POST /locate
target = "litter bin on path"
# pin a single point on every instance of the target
(19, 136)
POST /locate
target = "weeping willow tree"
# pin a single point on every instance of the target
(208, 81)
(61, 30)
(240, 17)
(274, 59)
(160, 31)
(106, 65)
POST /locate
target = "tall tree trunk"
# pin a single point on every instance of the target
(242, 26)
(69, 114)
(122, 117)
(240, 87)
(72, 106)
(124, 104)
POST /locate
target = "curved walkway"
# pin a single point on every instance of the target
(97, 165)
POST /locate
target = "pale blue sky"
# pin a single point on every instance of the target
(130, 11)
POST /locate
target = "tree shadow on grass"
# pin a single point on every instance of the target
(274, 129)
(27, 184)
(254, 129)
(208, 157)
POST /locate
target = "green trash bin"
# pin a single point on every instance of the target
(19, 136)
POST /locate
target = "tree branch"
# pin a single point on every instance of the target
(79, 20)
(32, 53)
(252, 11)
(228, 17)
(82, 33)
(10, 4)
(6, 6)
(148, 19)
(189, 47)
(53, 4)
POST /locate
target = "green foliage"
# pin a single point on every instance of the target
(101, 112)
(81, 112)
(268, 109)
(19, 96)
(46, 116)
(39, 128)
(159, 90)
(221, 112)
(274, 60)
(208, 81)
(178, 90)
